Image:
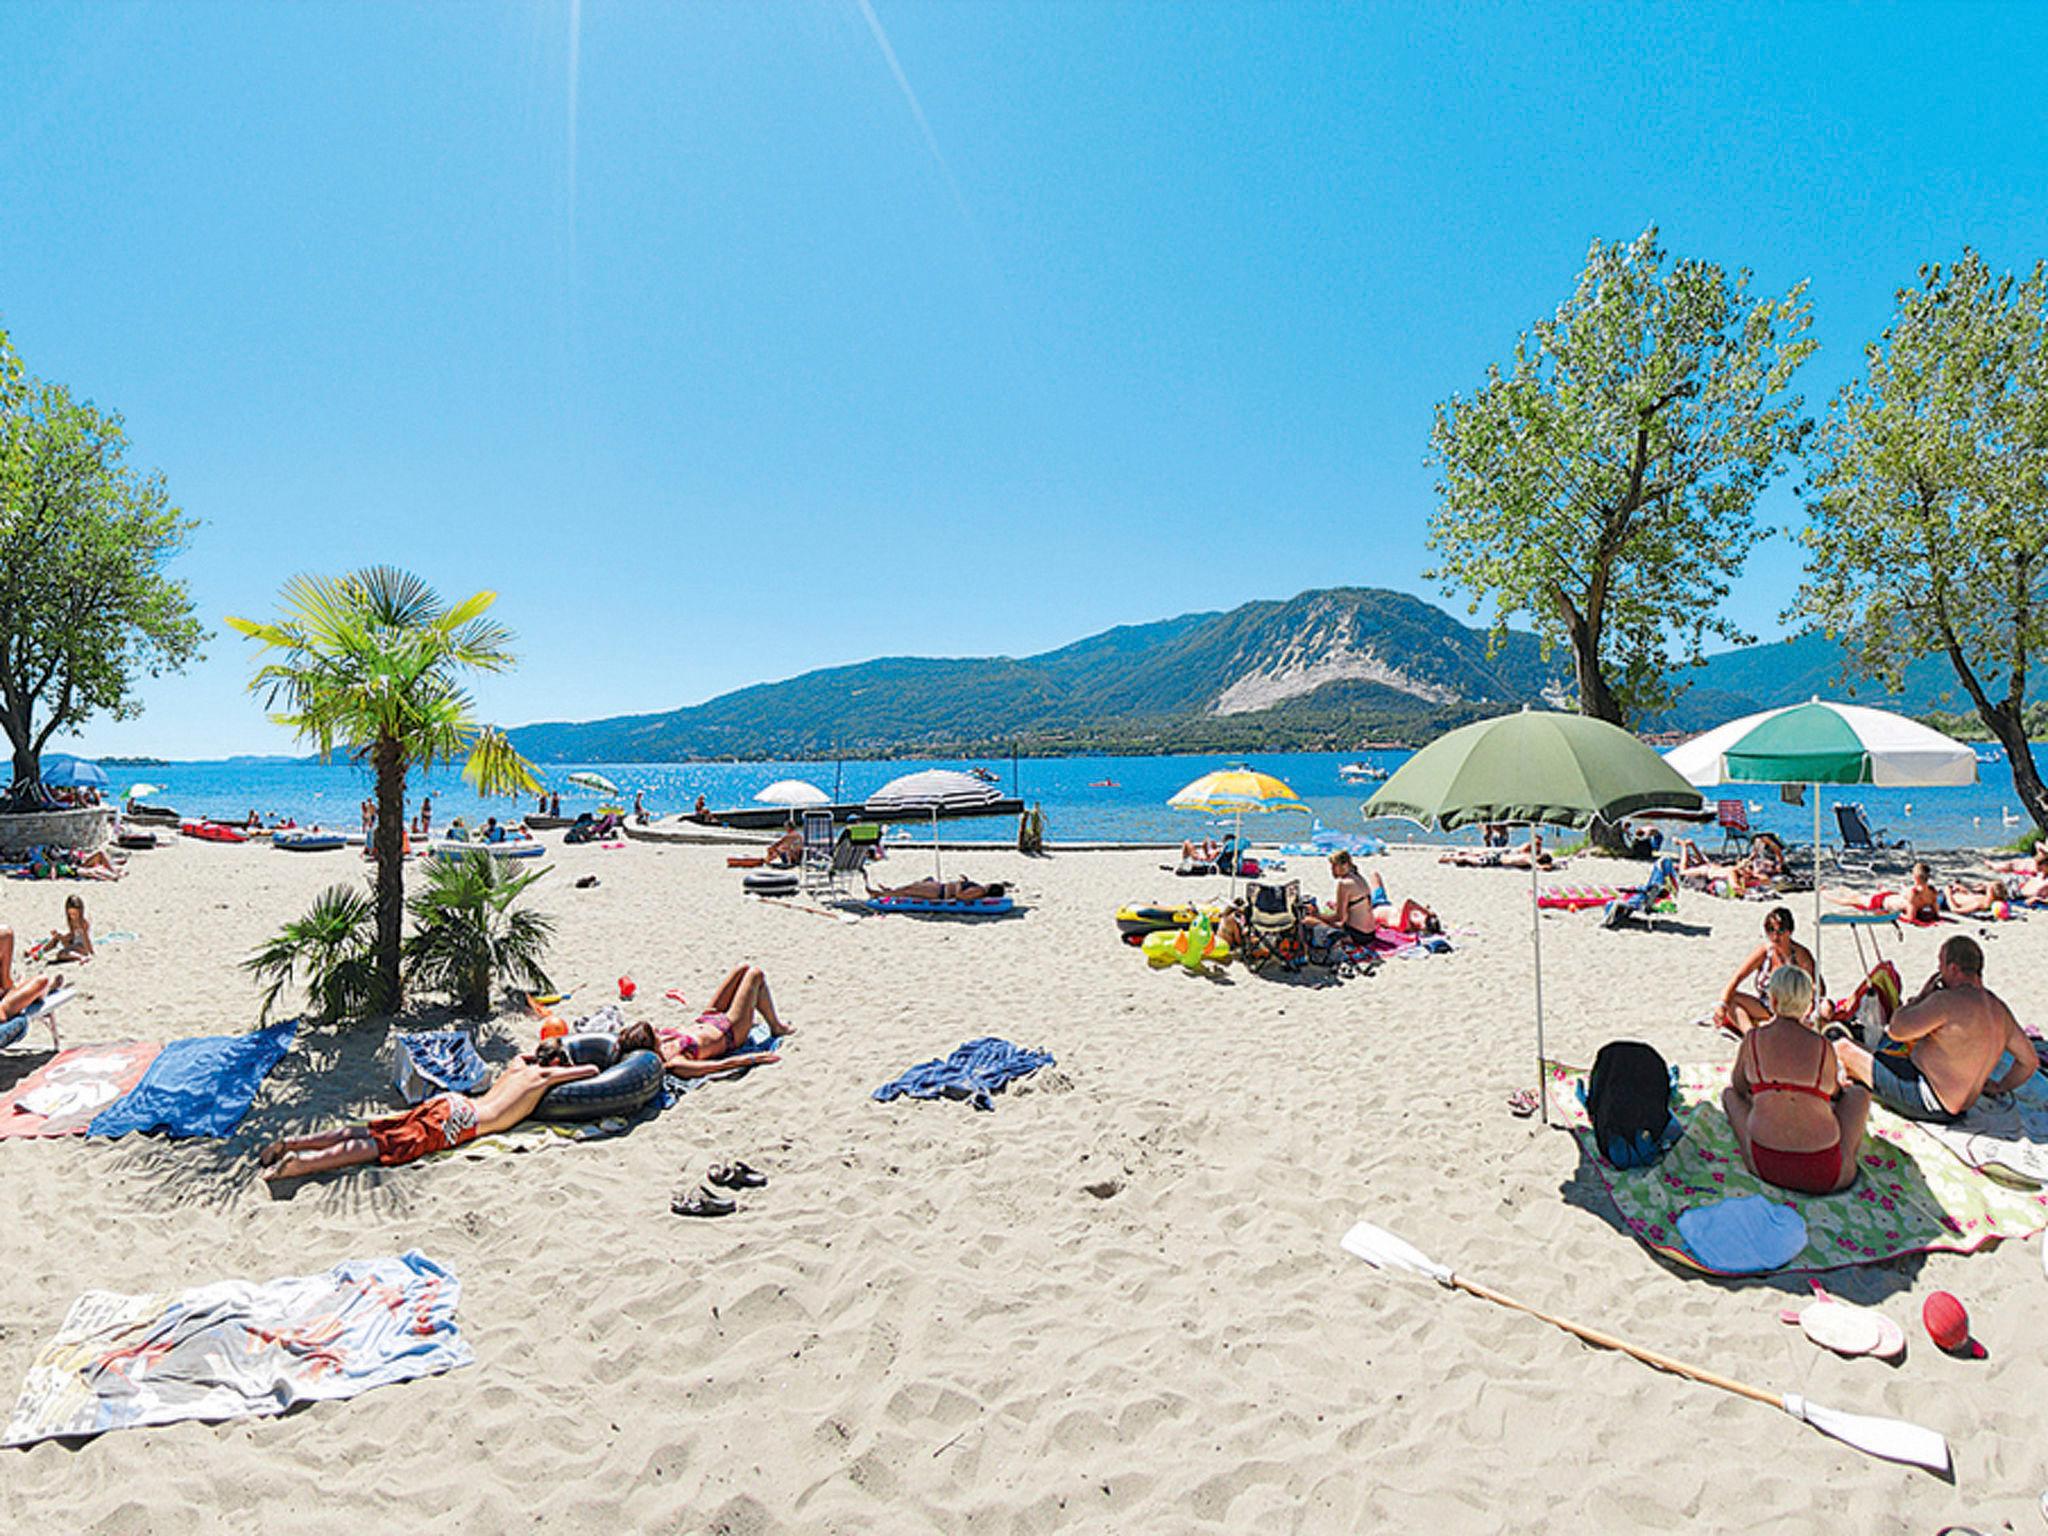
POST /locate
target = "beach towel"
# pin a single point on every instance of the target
(976, 1071)
(1743, 1235)
(2007, 1138)
(198, 1087)
(430, 1061)
(1912, 1195)
(61, 1097)
(238, 1349)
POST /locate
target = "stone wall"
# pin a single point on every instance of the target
(88, 828)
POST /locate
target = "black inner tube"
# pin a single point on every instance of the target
(625, 1086)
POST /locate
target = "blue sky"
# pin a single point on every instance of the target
(727, 341)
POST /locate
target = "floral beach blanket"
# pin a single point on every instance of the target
(1913, 1196)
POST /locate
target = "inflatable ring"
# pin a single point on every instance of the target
(625, 1086)
(770, 882)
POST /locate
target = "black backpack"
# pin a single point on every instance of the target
(1628, 1096)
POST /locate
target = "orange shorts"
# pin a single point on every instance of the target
(444, 1121)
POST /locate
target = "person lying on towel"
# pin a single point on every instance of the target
(1920, 902)
(1743, 1009)
(16, 993)
(1941, 1048)
(941, 890)
(1799, 1125)
(446, 1120)
(1993, 898)
(720, 1028)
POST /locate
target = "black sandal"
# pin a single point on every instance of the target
(702, 1203)
(737, 1175)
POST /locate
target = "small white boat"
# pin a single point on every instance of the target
(1362, 773)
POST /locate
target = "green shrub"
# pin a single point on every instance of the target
(469, 931)
(332, 949)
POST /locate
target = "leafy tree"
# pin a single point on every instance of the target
(332, 949)
(468, 930)
(85, 607)
(1603, 483)
(1927, 526)
(370, 663)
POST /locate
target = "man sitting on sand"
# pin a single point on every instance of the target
(1942, 1047)
(16, 995)
(1918, 903)
(446, 1120)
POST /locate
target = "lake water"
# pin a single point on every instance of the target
(1079, 806)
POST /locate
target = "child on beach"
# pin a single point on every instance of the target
(74, 941)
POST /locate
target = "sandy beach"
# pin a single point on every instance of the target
(1115, 1303)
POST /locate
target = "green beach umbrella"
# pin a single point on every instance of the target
(1822, 743)
(1536, 768)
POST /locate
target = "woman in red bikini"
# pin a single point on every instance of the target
(1799, 1126)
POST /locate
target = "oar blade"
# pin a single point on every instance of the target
(1382, 1250)
(1892, 1439)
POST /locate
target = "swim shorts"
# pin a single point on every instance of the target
(446, 1120)
(1898, 1086)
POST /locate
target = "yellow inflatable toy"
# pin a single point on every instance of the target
(1187, 947)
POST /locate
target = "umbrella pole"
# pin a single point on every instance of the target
(1236, 852)
(1536, 943)
(937, 873)
(1816, 876)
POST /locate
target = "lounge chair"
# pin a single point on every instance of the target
(859, 843)
(44, 1011)
(1660, 885)
(1732, 817)
(818, 849)
(1861, 847)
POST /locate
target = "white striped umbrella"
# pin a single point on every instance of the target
(583, 778)
(932, 790)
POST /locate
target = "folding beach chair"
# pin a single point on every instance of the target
(1732, 817)
(1273, 930)
(818, 848)
(1659, 886)
(1862, 848)
(859, 843)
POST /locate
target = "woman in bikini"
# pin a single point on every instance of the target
(1799, 1126)
(1411, 916)
(726, 1023)
(1352, 904)
(1742, 1010)
(941, 890)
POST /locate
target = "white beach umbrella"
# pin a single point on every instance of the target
(1822, 743)
(931, 790)
(583, 778)
(137, 791)
(794, 793)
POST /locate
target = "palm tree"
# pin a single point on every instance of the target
(369, 663)
(468, 930)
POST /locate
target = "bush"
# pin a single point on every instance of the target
(333, 948)
(469, 932)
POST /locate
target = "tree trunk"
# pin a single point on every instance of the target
(2010, 729)
(27, 790)
(1595, 698)
(388, 757)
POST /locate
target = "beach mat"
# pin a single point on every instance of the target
(2006, 1139)
(1912, 1196)
(199, 1087)
(61, 1097)
(238, 1349)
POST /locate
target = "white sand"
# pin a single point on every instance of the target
(1116, 1303)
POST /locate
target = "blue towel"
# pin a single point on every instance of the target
(197, 1087)
(974, 1071)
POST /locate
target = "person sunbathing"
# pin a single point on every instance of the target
(17, 993)
(2037, 864)
(940, 890)
(446, 1120)
(1497, 858)
(1742, 1010)
(1697, 870)
(725, 1024)
(1766, 860)
(1799, 1126)
(787, 850)
(1941, 1048)
(1352, 904)
(1204, 852)
(1411, 916)
(1991, 899)
(1920, 902)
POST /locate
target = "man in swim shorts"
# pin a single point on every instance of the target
(444, 1121)
(1942, 1047)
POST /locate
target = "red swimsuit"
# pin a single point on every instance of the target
(1810, 1173)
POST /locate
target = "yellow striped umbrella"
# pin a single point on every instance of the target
(1232, 792)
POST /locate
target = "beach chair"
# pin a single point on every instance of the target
(818, 848)
(1861, 847)
(1732, 817)
(859, 844)
(1273, 931)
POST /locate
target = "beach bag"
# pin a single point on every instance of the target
(1628, 1099)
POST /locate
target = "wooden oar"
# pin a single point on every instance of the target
(1892, 1439)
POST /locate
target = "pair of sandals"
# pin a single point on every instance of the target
(704, 1202)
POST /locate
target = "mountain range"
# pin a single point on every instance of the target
(1325, 669)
